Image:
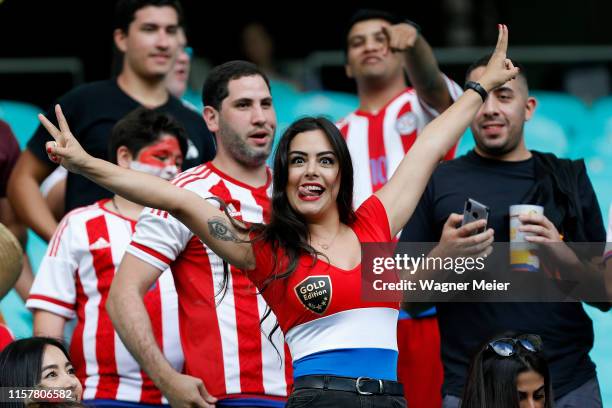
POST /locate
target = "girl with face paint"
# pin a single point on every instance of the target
(161, 159)
(149, 142)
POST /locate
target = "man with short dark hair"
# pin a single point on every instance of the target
(146, 34)
(76, 272)
(382, 52)
(228, 355)
(500, 172)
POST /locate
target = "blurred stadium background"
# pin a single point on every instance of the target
(49, 47)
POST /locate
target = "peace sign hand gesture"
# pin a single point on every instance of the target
(500, 69)
(65, 149)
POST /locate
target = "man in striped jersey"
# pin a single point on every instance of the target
(381, 50)
(76, 273)
(229, 359)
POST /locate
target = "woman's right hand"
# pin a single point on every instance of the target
(500, 69)
(65, 149)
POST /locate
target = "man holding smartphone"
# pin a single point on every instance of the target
(500, 172)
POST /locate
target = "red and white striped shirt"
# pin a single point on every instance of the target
(223, 342)
(74, 279)
(378, 141)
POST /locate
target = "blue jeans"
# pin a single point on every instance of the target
(587, 395)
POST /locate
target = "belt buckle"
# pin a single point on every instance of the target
(361, 392)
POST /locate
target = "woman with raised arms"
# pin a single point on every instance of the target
(306, 261)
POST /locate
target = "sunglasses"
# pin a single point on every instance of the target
(508, 346)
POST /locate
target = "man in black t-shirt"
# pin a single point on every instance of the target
(146, 34)
(501, 172)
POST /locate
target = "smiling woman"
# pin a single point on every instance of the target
(38, 362)
(318, 173)
(306, 261)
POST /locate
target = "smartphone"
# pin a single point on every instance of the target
(474, 211)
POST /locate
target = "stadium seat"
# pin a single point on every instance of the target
(193, 100)
(466, 143)
(22, 117)
(546, 135)
(600, 127)
(285, 97)
(563, 108)
(332, 105)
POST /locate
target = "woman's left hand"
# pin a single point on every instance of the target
(500, 69)
(64, 149)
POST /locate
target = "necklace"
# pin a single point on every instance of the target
(328, 245)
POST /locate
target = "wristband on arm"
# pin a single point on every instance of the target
(475, 86)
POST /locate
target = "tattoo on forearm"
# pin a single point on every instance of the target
(219, 228)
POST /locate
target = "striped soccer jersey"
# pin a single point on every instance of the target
(74, 279)
(223, 341)
(379, 141)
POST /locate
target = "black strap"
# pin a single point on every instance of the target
(361, 385)
(475, 86)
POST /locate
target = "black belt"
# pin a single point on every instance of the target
(361, 385)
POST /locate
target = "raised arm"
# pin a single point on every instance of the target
(205, 220)
(403, 191)
(421, 65)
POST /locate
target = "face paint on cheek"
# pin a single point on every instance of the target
(165, 172)
(167, 146)
(169, 172)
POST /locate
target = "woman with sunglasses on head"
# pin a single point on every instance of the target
(509, 372)
(306, 261)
